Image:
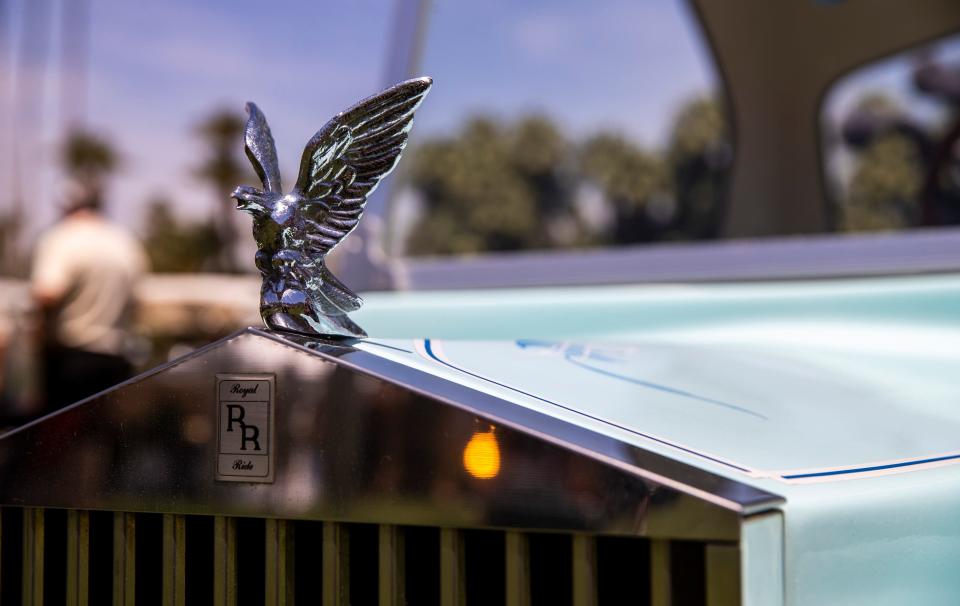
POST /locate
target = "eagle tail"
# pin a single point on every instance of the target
(337, 293)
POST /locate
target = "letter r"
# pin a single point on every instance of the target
(253, 437)
(242, 412)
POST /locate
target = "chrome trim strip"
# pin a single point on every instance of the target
(124, 559)
(453, 576)
(391, 566)
(33, 556)
(336, 565)
(224, 561)
(659, 468)
(584, 553)
(78, 558)
(278, 559)
(517, 545)
(930, 250)
(174, 560)
(661, 591)
(723, 574)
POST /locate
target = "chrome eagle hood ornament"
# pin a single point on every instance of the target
(340, 167)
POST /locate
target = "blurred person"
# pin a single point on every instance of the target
(84, 274)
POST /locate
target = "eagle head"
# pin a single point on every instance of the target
(251, 200)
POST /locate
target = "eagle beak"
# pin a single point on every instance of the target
(239, 196)
(247, 199)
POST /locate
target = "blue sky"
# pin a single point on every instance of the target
(157, 68)
(620, 64)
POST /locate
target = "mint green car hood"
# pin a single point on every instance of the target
(792, 397)
(843, 397)
(793, 403)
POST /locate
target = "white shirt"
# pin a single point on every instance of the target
(92, 267)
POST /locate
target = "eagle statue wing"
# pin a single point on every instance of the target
(260, 148)
(346, 159)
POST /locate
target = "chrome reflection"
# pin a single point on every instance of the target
(358, 439)
(481, 455)
(342, 165)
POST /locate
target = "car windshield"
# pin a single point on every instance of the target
(563, 126)
(553, 126)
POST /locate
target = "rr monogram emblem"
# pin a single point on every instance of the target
(237, 418)
(245, 420)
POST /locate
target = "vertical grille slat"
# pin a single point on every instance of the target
(336, 565)
(723, 575)
(124, 559)
(174, 560)
(452, 571)
(33, 531)
(391, 565)
(224, 561)
(660, 581)
(78, 558)
(279, 562)
(584, 570)
(518, 569)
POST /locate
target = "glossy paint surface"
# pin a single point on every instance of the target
(623, 313)
(840, 395)
(818, 403)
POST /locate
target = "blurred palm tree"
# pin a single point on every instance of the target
(632, 180)
(89, 158)
(475, 197)
(699, 155)
(884, 189)
(521, 185)
(178, 246)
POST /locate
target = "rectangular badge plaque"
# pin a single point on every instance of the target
(245, 418)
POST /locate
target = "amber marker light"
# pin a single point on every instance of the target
(481, 456)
